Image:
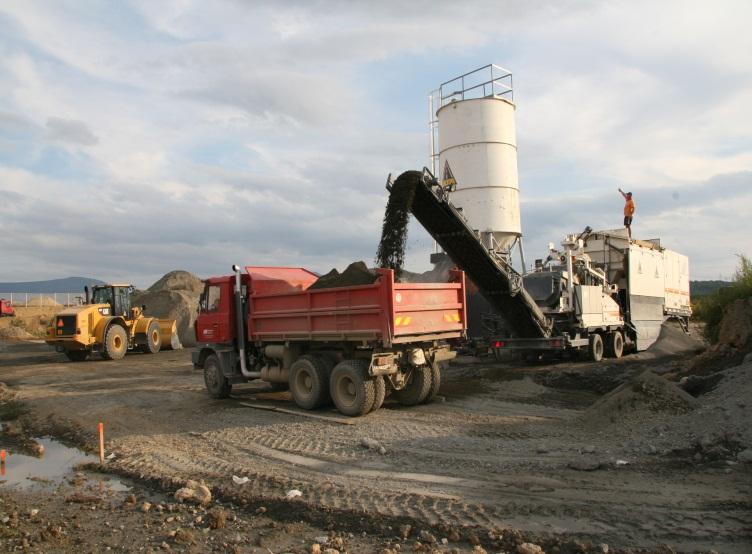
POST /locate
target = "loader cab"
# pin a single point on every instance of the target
(117, 296)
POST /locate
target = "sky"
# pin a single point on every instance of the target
(141, 137)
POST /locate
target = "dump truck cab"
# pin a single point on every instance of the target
(108, 324)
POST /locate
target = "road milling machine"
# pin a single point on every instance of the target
(108, 324)
(601, 292)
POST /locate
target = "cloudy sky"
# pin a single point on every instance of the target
(139, 137)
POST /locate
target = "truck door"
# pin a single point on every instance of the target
(213, 323)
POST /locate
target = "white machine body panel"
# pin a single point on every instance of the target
(676, 271)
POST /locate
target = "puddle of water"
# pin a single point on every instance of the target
(56, 463)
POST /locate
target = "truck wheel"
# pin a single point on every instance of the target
(77, 355)
(115, 343)
(433, 390)
(417, 388)
(309, 382)
(352, 390)
(380, 392)
(614, 344)
(595, 347)
(215, 381)
(153, 339)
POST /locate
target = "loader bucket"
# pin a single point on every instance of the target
(168, 331)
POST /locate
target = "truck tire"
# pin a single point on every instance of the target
(380, 388)
(433, 390)
(351, 388)
(77, 355)
(115, 343)
(309, 382)
(417, 388)
(614, 344)
(215, 381)
(595, 347)
(153, 339)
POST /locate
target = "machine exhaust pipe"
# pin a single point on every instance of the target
(86, 293)
(240, 327)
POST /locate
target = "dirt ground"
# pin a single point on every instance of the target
(508, 454)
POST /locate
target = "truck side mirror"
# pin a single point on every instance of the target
(143, 308)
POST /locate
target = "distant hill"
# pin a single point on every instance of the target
(703, 288)
(68, 284)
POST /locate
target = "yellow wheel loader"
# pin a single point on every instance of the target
(107, 324)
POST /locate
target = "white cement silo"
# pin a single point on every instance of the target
(477, 137)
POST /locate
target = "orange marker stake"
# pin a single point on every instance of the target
(2, 463)
(101, 442)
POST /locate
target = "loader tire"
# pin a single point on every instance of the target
(614, 344)
(309, 382)
(433, 390)
(417, 388)
(77, 355)
(380, 388)
(115, 343)
(352, 389)
(215, 381)
(595, 347)
(153, 339)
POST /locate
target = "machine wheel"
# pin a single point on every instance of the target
(614, 344)
(115, 343)
(380, 388)
(215, 381)
(595, 347)
(433, 390)
(417, 388)
(309, 382)
(77, 355)
(352, 390)
(153, 339)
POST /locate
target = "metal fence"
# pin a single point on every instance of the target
(43, 299)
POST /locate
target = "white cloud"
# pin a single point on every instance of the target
(263, 132)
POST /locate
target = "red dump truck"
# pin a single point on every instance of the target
(350, 345)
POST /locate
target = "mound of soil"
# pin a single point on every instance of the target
(179, 280)
(736, 325)
(175, 296)
(15, 333)
(391, 251)
(639, 397)
(180, 305)
(357, 273)
(673, 340)
(734, 341)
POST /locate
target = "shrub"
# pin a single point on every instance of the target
(710, 308)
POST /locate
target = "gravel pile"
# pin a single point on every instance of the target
(175, 296)
(357, 273)
(640, 396)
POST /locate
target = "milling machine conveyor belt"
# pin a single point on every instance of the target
(498, 282)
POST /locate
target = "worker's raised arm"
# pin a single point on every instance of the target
(622, 193)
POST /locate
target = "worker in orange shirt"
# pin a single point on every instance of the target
(628, 211)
